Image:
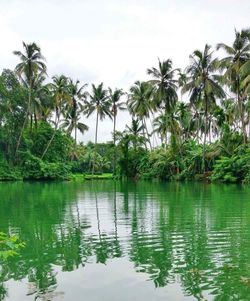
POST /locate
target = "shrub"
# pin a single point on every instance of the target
(233, 169)
(36, 169)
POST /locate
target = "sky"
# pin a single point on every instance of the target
(115, 41)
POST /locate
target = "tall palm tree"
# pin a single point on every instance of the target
(61, 96)
(161, 125)
(140, 103)
(74, 108)
(237, 55)
(165, 85)
(41, 100)
(117, 104)
(184, 116)
(202, 85)
(32, 63)
(99, 103)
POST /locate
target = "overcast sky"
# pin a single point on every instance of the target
(115, 41)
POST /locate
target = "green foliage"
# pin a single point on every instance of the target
(36, 169)
(8, 173)
(59, 149)
(183, 162)
(39, 118)
(233, 169)
(131, 163)
(230, 140)
(9, 246)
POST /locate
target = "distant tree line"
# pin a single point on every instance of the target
(207, 135)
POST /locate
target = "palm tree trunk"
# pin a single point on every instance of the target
(209, 130)
(25, 120)
(205, 135)
(146, 128)
(53, 135)
(248, 127)
(198, 129)
(96, 131)
(239, 100)
(35, 119)
(75, 146)
(153, 131)
(31, 122)
(144, 135)
(75, 134)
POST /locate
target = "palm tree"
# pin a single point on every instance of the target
(41, 100)
(136, 133)
(72, 123)
(61, 96)
(237, 55)
(184, 116)
(245, 73)
(32, 63)
(74, 109)
(202, 85)
(161, 127)
(167, 122)
(140, 103)
(115, 99)
(100, 103)
(165, 85)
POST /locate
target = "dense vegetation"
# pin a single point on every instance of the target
(186, 124)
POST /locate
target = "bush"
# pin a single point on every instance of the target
(233, 169)
(36, 169)
(8, 173)
(59, 150)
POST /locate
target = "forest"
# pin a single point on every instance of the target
(190, 124)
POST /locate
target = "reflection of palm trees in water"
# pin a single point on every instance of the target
(97, 217)
(118, 251)
(170, 238)
(108, 245)
(3, 291)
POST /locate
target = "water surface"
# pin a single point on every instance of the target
(126, 241)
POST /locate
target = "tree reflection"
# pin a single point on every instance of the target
(193, 234)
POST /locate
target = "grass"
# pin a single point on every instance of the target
(103, 176)
(81, 177)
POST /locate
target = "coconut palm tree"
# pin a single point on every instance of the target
(135, 133)
(167, 123)
(184, 116)
(32, 63)
(74, 109)
(99, 102)
(237, 55)
(136, 128)
(245, 73)
(41, 100)
(165, 85)
(117, 104)
(61, 96)
(203, 86)
(72, 123)
(140, 103)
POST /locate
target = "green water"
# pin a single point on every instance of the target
(126, 241)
